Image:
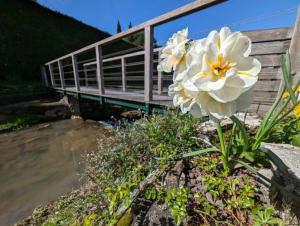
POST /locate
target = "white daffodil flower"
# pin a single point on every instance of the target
(222, 71)
(218, 76)
(173, 55)
(225, 70)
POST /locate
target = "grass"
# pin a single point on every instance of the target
(9, 90)
(16, 122)
(24, 115)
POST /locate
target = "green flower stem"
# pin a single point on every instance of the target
(243, 131)
(224, 151)
(286, 71)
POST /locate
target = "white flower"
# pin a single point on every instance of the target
(173, 54)
(219, 75)
(184, 98)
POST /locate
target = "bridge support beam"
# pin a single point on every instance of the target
(74, 105)
(44, 76)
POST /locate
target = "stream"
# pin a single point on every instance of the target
(41, 163)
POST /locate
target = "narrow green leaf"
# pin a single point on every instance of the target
(286, 71)
(243, 131)
(275, 159)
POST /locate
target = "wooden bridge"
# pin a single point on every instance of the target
(130, 78)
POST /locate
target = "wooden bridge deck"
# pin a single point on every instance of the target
(135, 96)
(131, 76)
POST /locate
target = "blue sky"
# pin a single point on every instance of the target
(237, 14)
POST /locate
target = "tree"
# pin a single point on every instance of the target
(119, 28)
(130, 25)
(137, 38)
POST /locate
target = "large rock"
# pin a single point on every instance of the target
(132, 115)
(287, 176)
(252, 121)
(290, 156)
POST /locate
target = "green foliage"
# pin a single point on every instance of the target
(14, 90)
(175, 198)
(63, 218)
(287, 131)
(25, 115)
(90, 219)
(218, 197)
(15, 122)
(238, 150)
(119, 170)
(121, 192)
(266, 217)
(281, 108)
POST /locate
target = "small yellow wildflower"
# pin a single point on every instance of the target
(286, 94)
(297, 110)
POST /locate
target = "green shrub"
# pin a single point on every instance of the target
(287, 131)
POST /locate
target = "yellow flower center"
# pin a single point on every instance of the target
(221, 66)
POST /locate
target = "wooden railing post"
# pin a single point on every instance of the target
(51, 75)
(61, 74)
(75, 71)
(85, 76)
(295, 50)
(159, 77)
(148, 80)
(100, 78)
(44, 75)
(123, 74)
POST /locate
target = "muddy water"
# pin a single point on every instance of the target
(41, 163)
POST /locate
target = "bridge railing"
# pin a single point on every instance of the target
(87, 68)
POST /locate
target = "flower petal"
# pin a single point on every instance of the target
(227, 94)
(221, 110)
(244, 101)
(195, 111)
(165, 65)
(224, 33)
(249, 65)
(241, 48)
